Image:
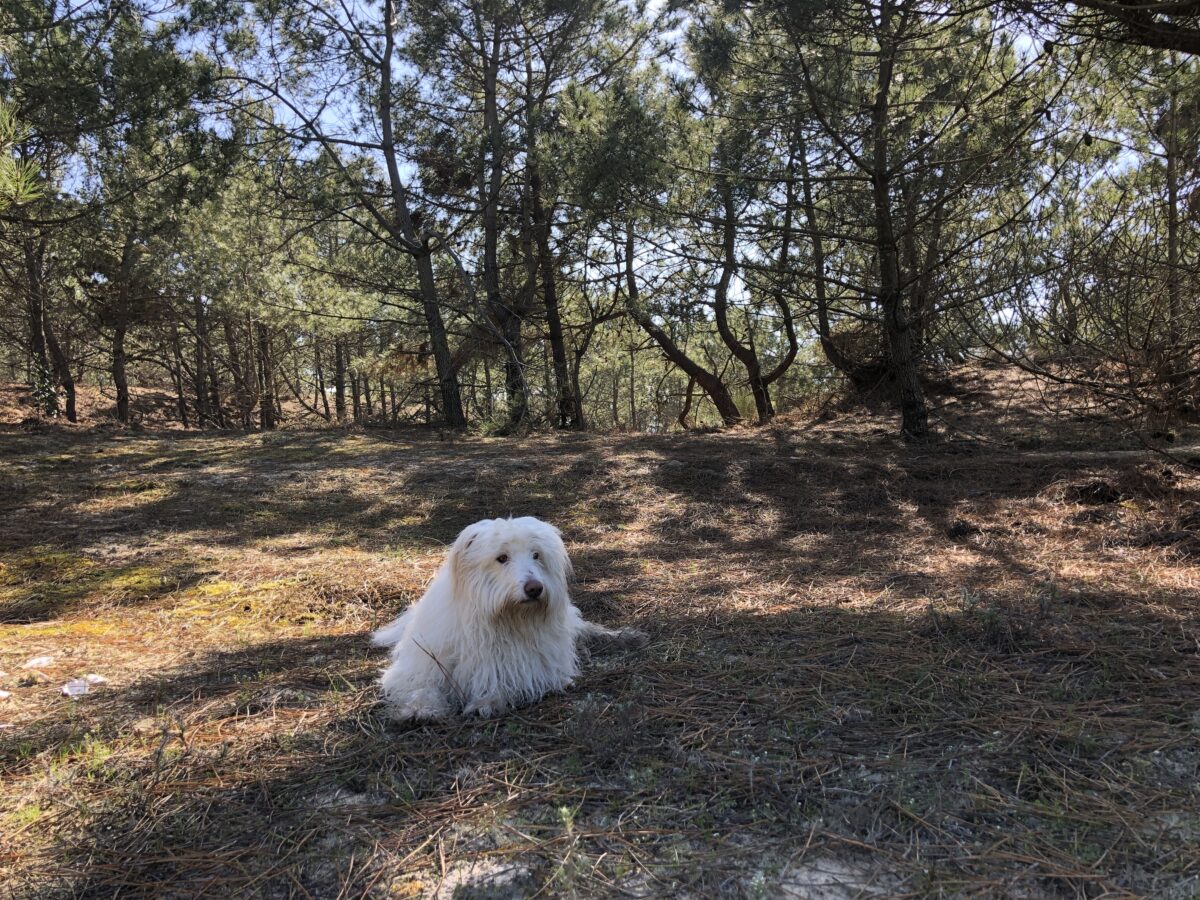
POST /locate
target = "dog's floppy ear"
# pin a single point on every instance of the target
(458, 551)
(561, 559)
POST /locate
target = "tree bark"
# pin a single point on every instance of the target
(1174, 292)
(902, 363)
(118, 373)
(686, 410)
(744, 353)
(177, 374)
(568, 409)
(490, 404)
(266, 377)
(241, 389)
(201, 367)
(633, 413)
(62, 366)
(504, 314)
(40, 336)
(320, 373)
(852, 369)
(709, 382)
(339, 379)
(414, 243)
(447, 375)
(36, 302)
(214, 389)
(616, 400)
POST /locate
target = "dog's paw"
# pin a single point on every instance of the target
(408, 713)
(485, 707)
(419, 706)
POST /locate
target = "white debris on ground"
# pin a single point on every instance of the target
(38, 662)
(76, 687)
(484, 877)
(827, 878)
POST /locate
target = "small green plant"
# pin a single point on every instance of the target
(45, 394)
(1048, 599)
(970, 600)
(566, 816)
(25, 816)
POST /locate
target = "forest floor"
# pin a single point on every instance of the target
(970, 669)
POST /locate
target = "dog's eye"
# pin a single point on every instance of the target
(502, 558)
(536, 555)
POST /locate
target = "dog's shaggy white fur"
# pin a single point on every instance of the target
(495, 629)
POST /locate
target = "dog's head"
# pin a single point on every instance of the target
(509, 565)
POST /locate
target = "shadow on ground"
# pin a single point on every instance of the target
(951, 671)
(979, 742)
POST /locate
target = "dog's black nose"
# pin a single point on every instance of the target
(533, 589)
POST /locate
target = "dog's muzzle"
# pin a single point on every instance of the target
(533, 591)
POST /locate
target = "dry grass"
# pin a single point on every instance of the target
(964, 671)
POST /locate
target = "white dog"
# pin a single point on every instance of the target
(496, 627)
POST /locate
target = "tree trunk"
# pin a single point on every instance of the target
(413, 243)
(616, 400)
(902, 362)
(633, 416)
(241, 389)
(569, 407)
(118, 373)
(783, 276)
(687, 403)
(41, 382)
(1174, 302)
(266, 380)
(852, 369)
(744, 353)
(62, 366)
(35, 261)
(579, 351)
(577, 391)
(201, 367)
(320, 373)
(504, 314)
(1175, 361)
(515, 388)
(177, 374)
(36, 303)
(568, 413)
(339, 379)
(37, 337)
(490, 406)
(709, 382)
(214, 389)
(448, 386)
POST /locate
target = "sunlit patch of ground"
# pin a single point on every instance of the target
(968, 669)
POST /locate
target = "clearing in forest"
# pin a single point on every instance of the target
(874, 670)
